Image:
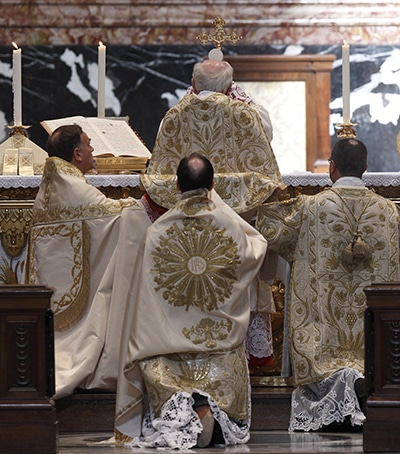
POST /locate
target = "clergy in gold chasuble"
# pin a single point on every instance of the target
(231, 134)
(339, 241)
(83, 244)
(186, 325)
(227, 132)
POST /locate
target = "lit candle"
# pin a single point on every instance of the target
(17, 86)
(346, 82)
(101, 80)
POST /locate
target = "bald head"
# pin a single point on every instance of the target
(195, 172)
(212, 75)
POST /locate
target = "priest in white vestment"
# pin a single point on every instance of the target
(203, 87)
(219, 120)
(227, 130)
(187, 321)
(339, 241)
(83, 246)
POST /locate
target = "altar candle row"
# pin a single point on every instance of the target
(17, 82)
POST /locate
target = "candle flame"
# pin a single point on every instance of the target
(15, 45)
(100, 43)
(344, 42)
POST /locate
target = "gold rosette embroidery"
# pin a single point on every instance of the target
(195, 265)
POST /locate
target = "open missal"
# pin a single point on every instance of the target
(116, 145)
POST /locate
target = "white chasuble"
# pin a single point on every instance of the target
(339, 241)
(83, 245)
(187, 321)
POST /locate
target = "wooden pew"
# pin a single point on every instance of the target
(382, 368)
(28, 421)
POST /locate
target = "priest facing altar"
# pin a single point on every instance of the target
(82, 245)
(219, 120)
(228, 132)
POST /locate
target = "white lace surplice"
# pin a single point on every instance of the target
(178, 425)
(259, 335)
(330, 400)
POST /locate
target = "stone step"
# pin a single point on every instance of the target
(270, 408)
(94, 412)
(86, 412)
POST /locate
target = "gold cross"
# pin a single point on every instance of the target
(219, 37)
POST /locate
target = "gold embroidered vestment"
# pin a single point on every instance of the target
(327, 300)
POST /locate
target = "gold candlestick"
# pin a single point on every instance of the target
(345, 130)
(18, 135)
(18, 129)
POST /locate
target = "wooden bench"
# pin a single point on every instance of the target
(382, 368)
(28, 421)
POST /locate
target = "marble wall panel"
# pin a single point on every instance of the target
(144, 81)
(178, 22)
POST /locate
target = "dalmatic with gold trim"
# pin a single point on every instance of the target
(83, 245)
(339, 241)
(186, 325)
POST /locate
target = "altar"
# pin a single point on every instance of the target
(17, 194)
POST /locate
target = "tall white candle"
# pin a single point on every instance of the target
(101, 93)
(17, 85)
(346, 82)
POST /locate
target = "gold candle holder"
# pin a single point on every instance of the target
(20, 129)
(20, 155)
(345, 130)
(18, 135)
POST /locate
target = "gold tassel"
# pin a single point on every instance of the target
(361, 250)
(356, 252)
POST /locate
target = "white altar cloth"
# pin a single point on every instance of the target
(33, 181)
(322, 179)
(293, 179)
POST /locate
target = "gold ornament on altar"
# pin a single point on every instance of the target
(345, 130)
(218, 38)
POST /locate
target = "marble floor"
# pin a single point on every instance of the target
(260, 443)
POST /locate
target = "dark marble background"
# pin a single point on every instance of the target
(143, 82)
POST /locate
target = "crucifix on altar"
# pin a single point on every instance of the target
(218, 38)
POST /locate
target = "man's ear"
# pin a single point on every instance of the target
(194, 86)
(76, 155)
